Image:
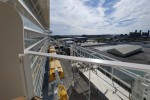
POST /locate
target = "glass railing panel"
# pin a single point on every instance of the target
(37, 66)
(125, 78)
(28, 41)
(30, 24)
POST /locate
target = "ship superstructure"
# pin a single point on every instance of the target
(31, 66)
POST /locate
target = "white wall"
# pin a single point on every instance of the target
(11, 44)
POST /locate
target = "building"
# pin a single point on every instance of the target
(135, 34)
(25, 38)
(80, 39)
(145, 34)
(138, 34)
(125, 50)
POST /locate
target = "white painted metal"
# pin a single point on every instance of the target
(90, 61)
(134, 66)
(29, 48)
(131, 74)
(141, 89)
(113, 76)
(100, 63)
(104, 84)
(11, 45)
(26, 8)
(30, 29)
(89, 82)
(28, 77)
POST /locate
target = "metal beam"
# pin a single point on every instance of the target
(35, 4)
(29, 48)
(30, 12)
(33, 30)
(126, 65)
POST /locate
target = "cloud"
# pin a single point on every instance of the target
(77, 17)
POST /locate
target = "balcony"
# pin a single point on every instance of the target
(114, 79)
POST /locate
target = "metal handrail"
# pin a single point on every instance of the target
(29, 48)
(120, 69)
(114, 64)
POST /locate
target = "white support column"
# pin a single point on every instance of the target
(11, 45)
(89, 81)
(71, 50)
(28, 77)
(112, 72)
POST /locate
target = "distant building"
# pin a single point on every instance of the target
(138, 34)
(80, 39)
(125, 50)
(135, 34)
(145, 34)
(69, 43)
(67, 39)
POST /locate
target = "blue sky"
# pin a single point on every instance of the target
(77, 17)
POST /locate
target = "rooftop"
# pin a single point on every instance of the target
(124, 50)
(142, 58)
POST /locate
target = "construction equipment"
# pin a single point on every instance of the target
(60, 92)
(55, 63)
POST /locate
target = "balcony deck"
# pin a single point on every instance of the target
(110, 90)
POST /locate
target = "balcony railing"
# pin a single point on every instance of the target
(117, 71)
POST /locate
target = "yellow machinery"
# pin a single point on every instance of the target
(62, 92)
(56, 73)
(53, 51)
(55, 63)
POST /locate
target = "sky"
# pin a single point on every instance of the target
(90, 17)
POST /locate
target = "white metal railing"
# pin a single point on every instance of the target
(91, 61)
(126, 65)
(83, 52)
(33, 30)
(36, 65)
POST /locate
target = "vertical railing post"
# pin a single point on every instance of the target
(74, 50)
(112, 71)
(58, 45)
(73, 72)
(89, 81)
(28, 76)
(79, 52)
